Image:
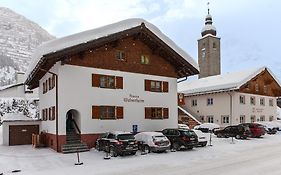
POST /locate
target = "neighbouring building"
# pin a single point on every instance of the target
(18, 90)
(233, 98)
(118, 77)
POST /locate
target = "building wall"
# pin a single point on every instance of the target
(17, 92)
(257, 110)
(221, 106)
(76, 92)
(222, 103)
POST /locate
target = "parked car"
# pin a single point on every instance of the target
(236, 131)
(153, 141)
(183, 126)
(117, 143)
(202, 141)
(207, 127)
(270, 127)
(181, 138)
(257, 130)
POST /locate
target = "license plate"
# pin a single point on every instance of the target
(129, 147)
(192, 138)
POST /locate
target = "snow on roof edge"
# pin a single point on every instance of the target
(59, 44)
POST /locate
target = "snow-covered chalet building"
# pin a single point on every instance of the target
(122, 76)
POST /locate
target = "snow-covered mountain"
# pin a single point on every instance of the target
(18, 39)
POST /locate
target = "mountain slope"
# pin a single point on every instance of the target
(18, 39)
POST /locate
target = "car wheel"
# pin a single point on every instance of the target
(146, 149)
(176, 146)
(112, 152)
(238, 137)
(134, 153)
(203, 144)
(190, 148)
(219, 135)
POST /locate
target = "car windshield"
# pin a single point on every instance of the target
(125, 137)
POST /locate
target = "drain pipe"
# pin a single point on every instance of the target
(185, 78)
(229, 93)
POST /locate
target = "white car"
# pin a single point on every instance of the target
(202, 141)
(183, 126)
(153, 141)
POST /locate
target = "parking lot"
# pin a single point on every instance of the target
(259, 155)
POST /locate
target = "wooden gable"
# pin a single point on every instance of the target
(133, 49)
(262, 84)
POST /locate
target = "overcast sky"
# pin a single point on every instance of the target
(249, 29)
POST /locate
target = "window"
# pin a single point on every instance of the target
(210, 119)
(225, 119)
(262, 118)
(53, 113)
(262, 101)
(44, 88)
(214, 46)
(107, 81)
(107, 112)
(257, 87)
(46, 85)
(53, 81)
(270, 102)
(242, 99)
(194, 102)
(144, 59)
(202, 118)
(50, 114)
(247, 86)
(156, 113)
(203, 54)
(271, 118)
(50, 83)
(242, 119)
(253, 119)
(253, 100)
(156, 86)
(210, 101)
(120, 55)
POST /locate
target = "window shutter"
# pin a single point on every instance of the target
(165, 86)
(119, 82)
(50, 83)
(46, 83)
(119, 112)
(165, 113)
(95, 80)
(53, 113)
(43, 87)
(95, 112)
(53, 81)
(147, 85)
(147, 113)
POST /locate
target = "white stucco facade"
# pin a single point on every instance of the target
(75, 91)
(227, 104)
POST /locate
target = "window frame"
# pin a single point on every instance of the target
(210, 101)
(225, 119)
(210, 118)
(242, 119)
(270, 102)
(253, 100)
(105, 113)
(262, 101)
(242, 99)
(107, 81)
(194, 102)
(145, 59)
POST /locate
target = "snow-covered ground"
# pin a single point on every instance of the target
(259, 156)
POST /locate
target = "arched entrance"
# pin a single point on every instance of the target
(73, 122)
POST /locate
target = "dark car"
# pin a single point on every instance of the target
(181, 138)
(236, 131)
(117, 143)
(257, 130)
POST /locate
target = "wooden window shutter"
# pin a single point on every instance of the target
(147, 85)
(95, 80)
(50, 84)
(119, 82)
(119, 112)
(165, 113)
(53, 81)
(46, 83)
(147, 113)
(53, 113)
(165, 86)
(95, 112)
(50, 113)
(43, 87)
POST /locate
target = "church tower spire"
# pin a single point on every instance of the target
(209, 49)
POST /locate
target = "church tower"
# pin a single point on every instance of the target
(209, 50)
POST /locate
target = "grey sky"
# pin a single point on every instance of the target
(249, 30)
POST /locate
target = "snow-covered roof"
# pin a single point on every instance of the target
(208, 27)
(150, 133)
(56, 45)
(226, 82)
(8, 117)
(10, 86)
(209, 126)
